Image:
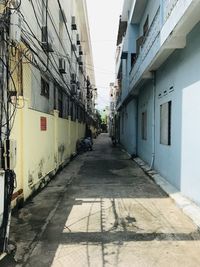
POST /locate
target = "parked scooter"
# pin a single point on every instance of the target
(84, 145)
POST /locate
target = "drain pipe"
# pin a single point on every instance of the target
(137, 112)
(153, 120)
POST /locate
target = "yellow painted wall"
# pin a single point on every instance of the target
(42, 152)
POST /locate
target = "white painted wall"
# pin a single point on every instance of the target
(62, 48)
(190, 173)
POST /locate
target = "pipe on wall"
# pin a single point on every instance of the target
(153, 120)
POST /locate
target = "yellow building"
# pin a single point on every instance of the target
(49, 55)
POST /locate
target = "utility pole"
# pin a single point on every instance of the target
(2, 122)
(7, 176)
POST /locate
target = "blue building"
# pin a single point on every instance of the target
(157, 66)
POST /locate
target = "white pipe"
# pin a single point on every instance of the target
(153, 121)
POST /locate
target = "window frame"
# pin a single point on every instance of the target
(146, 26)
(165, 126)
(45, 88)
(144, 125)
(60, 103)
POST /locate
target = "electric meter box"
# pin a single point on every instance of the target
(15, 27)
(11, 154)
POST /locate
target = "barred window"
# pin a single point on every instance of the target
(44, 88)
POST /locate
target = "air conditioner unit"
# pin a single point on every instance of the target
(78, 42)
(10, 154)
(80, 60)
(73, 77)
(46, 42)
(73, 89)
(74, 27)
(62, 65)
(80, 50)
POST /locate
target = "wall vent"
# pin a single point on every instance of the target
(74, 27)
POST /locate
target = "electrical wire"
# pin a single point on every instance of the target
(10, 177)
(53, 63)
(58, 34)
(59, 39)
(56, 69)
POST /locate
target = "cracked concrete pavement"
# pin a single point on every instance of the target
(103, 210)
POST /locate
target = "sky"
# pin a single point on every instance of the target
(104, 21)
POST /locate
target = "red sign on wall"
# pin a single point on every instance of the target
(43, 123)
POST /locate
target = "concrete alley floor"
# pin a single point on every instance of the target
(102, 210)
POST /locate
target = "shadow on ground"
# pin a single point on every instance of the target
(110, 210)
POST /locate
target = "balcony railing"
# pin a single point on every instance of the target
(148, 49)
(168, 6)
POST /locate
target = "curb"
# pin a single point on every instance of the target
(189, 208)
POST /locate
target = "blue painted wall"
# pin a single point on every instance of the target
(179, 162)
(128, 133)
(145, 103)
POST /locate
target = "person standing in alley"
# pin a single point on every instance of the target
(88, 137)
(88, 132)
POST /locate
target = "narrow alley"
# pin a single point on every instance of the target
(102, 210)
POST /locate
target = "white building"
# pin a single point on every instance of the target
(158, 55)
(59, 34)
(114, 94)
(51, 89)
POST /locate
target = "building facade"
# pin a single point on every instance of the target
(157, 68)
(52, 85)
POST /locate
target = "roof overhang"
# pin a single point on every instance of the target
(138, 10)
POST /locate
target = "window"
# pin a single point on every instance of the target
(133, 59)
(44, 88)
(123, 122)
(146, 26)
(55, 104)
(165, 123)
(60, 103)
(139, 43)
(67, 106)
(73, 111)
(79, 114)
(144, 125)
